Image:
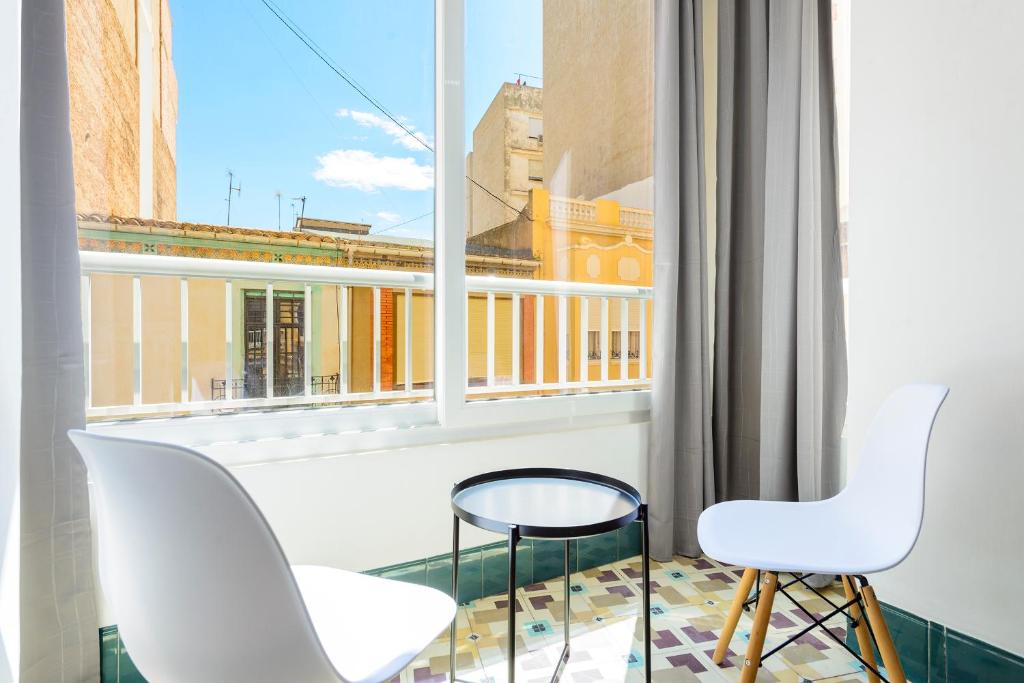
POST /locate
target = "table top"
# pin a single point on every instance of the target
(546, 502)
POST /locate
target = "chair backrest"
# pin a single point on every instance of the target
(887, 489)
(200, 588)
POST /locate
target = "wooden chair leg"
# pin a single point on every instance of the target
(867, 649)
(890, 658)
(742, 591)
(752, 661)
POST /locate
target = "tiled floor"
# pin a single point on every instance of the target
(689, 605)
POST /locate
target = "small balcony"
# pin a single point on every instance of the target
(187, 336)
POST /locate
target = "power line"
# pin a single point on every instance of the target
(341, 73)
(298, 79)
(522, 210)
(398, 225)
(319, 52)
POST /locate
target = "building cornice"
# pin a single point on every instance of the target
(115, 233)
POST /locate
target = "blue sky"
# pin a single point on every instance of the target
(255, 100)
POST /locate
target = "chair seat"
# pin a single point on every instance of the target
(371, 628)
(819, 537)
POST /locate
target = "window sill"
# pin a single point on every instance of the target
(279, 436)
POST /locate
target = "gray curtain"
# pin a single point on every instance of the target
(780, 350)
(59, 633)
(771, 427)
(680, 468)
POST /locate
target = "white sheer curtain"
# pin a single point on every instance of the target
(58, 634)
(10, 344)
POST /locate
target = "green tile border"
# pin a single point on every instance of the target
(483, 570)
(933, 653)
(115, 664)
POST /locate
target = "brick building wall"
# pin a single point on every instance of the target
(165, 180)
(103, 74)
(104, 105)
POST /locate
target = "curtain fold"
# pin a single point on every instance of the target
(780, 354)
(739, 258)
(59, 631)
(803, 342)
(680, 473)
(769, 425)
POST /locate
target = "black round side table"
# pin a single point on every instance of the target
(550, 503)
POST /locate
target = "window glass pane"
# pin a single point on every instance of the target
(559, 164)
(254, 183)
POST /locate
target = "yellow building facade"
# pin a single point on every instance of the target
(553, 239)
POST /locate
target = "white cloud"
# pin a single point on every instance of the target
(397, 133)
(389, 216)
(368, 172)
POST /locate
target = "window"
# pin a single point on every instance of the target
(256, 231)
(559, 252)
(536, 128)
(536, 170)
(594, 345)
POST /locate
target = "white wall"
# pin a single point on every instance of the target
(365, 510)
(370, 509)
(937, 286)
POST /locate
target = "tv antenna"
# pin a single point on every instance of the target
(302, 209)
(278, 195)
(237, 189)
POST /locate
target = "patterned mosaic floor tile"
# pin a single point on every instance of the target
(690, 599)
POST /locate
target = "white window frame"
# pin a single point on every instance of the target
(243, 437)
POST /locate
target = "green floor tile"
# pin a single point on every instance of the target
(470, 575)
(126, 667)
(910, 634)
(595, 551)
(936, 653)
(630, 541)
(549, 560)
(439, 573)
(108, 654)
(494, 561)
(524, 562)
(410, 572)
(969, 660)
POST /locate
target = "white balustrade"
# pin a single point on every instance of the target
(306, 280)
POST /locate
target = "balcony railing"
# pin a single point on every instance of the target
(241, 388)
(228, 391)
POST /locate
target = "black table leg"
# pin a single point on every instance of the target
(513, 541)
(646, 560)
(567, 573)
(455, 590)
(564, 658)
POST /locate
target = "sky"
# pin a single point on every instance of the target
(253, 99)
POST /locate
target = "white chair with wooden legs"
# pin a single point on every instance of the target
(869, 527)
(202, 592)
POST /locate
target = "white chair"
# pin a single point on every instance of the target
(870, 526)
(202, 592)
